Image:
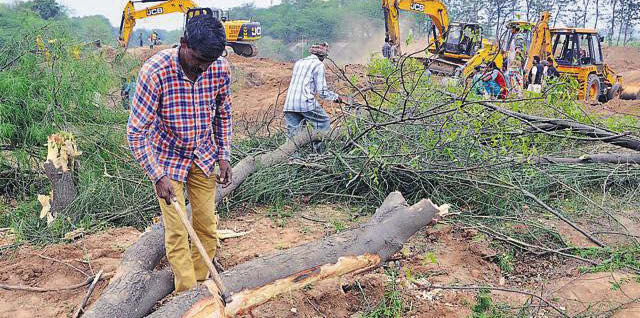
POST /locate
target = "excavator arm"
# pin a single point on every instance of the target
(434, 9)
(130, 14)
(540, 42)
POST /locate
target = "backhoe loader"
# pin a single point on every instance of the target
(579, 55)
(240, 33)
(455, 47)
(575, 53)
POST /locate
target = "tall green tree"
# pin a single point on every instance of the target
(47, 9)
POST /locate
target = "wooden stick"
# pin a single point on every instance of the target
(42, 290)
(207, 260)
(86, 297)
(563, 218)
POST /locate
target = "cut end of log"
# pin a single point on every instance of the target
(443, 210)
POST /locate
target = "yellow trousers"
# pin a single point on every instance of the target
(186, 263)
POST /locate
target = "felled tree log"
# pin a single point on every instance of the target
(137, 285)
(544, 124)
(247, 166)
(261, 279)
(61, 153)
(614, 158)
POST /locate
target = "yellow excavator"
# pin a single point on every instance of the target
(575, 53)
(455, 47)
(240, 33)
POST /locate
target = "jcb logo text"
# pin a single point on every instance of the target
(155, 11)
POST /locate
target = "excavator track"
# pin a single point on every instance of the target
(244, 49)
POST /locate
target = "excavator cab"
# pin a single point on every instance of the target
(222, 15)
(462, 40)
(573, 48)
(579, 55)
(239, 30)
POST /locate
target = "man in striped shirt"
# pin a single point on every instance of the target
(179, 127)
(308, 80)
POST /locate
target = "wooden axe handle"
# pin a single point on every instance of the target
(207, 260)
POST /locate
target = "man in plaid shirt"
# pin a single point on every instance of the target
(179, 127)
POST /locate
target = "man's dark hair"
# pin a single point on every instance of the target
(537, 59)
(550, 60)
(206, 34)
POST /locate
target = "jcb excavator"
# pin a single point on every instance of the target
(456, 48)
(240, 33)
(575, 53)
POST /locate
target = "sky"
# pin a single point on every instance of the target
(112, 9)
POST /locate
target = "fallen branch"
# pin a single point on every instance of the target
(43, 290)
(614, 158)
(562, 217)
(600, 134)
(86, 297)
(63, 263)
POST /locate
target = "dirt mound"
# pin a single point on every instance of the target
(622, 58)
(584, 294)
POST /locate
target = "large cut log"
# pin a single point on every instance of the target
(261, 279)
(137, 285)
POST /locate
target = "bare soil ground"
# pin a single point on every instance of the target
(440, 255)
(625, 61)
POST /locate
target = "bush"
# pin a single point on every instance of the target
(51, 90)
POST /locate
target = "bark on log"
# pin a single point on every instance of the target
(137, 286)
(247, 166)
(63, 189)
(583, 129)
(260, 279)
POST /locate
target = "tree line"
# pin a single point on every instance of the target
(296, 20)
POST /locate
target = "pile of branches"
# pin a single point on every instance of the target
(503, 166)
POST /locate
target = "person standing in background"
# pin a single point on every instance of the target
(308, 79)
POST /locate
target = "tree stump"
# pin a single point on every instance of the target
(61, 153)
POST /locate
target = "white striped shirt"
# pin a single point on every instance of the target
(307, 81)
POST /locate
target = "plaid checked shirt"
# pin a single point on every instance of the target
(307, 81)
(174, 121)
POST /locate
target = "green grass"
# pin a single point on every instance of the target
(391, 305)
(611, 259)
(485, 307)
